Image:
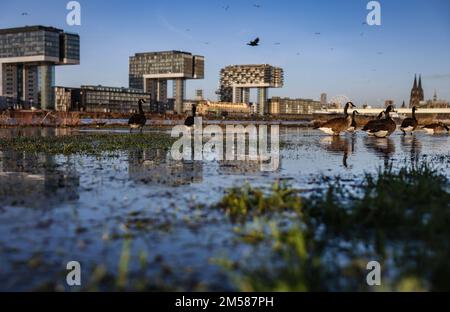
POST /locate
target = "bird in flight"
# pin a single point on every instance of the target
(277, 43)
(226, 7)
(24, 13)
(317, 33)
(254, 43)
(257, 6)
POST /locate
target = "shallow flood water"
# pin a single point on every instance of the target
(55, 209)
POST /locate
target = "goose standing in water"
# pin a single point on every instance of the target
(353, 125)
(385, 127)
(436, 128)
(137, 121)
(369, 125)
(410, 124)
(336, 125)
(189, 121)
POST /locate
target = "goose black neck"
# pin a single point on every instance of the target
(141, 111)
(414, 113)
(346, 109)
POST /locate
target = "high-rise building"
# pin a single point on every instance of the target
(150, 72)
(417, 94)
(27, 59)
(237, 80)
(323, 99)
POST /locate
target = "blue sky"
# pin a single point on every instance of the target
(365, 63)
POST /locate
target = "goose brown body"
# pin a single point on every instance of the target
(385, 127)
(138, 121)
(436, 128)
(336, 125)
(372, 123)
(410, 124)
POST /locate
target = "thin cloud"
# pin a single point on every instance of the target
(440, 76)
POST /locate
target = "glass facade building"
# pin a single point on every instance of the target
(150, 72)
(27, 59)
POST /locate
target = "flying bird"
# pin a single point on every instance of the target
(226, 7)
(317, 33)
(24, 13)
(277, 43)
(254, 43)
(257, 6)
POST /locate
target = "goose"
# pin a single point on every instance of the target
(336, 125)
(436, 128)
(353, 125)
(410, 124)
(385, 127)
(137, 121)
(189, 121)
(372, 123)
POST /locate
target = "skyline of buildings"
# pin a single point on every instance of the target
(28, 56)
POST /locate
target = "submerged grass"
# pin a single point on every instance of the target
(245, 202)
(399, 218)
(90, 144)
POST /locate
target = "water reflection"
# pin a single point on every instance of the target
(382, 147)
(156, 167)
(411, 146)
(31, 131)
(339, 145)
(36, 180)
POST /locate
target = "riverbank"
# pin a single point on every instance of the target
(24, 118)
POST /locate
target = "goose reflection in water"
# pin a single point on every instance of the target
(411, 145)
(157, 168)
(382, 147)
(340, 146)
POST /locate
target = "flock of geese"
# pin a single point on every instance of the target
(381, 127)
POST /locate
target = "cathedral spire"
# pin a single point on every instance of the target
(420, 81)
(415, 82)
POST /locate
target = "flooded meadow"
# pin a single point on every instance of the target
(135, 219)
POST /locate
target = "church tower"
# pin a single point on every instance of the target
(417, 94)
